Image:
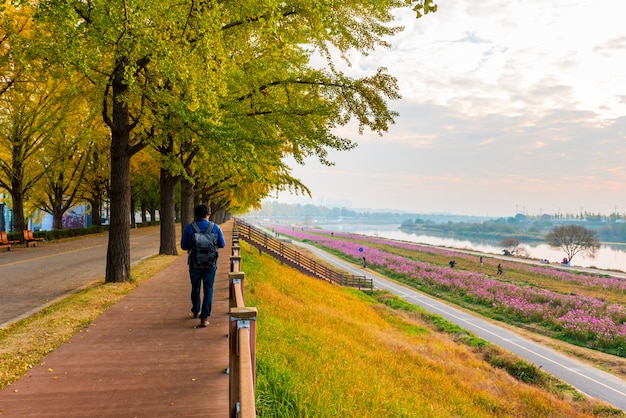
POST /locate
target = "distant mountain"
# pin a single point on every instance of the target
(276, 209)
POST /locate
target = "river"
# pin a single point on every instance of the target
(609, 257)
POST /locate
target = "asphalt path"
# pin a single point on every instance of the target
(33, 278)
(587, 379)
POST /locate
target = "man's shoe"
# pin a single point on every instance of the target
(196, 314)
(204, 322)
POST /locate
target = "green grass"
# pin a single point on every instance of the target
(326, 351)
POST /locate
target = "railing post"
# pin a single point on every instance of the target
(235, 263)
(242, 362)
(235, 278)
(235, 238)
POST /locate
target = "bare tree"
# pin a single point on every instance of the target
(511, 246)
(574, 239)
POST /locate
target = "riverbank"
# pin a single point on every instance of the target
(608, 259)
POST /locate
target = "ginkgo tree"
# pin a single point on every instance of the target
(15, 36)
(145, 185)
(66, 162)
(94, 186)
(275, 97)
(66, 156)
(126, 47)
(274, 94)
(159, 53)
(246, 188)
(233, 179)
(31, 113)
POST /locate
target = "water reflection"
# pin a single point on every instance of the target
(609, 257)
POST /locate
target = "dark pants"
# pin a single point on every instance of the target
(202, 279)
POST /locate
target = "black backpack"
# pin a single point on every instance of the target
(203, 247)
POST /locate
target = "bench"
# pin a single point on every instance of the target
(5, 242)
(29, 238)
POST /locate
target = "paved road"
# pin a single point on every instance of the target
(32, 278)
(585, 378)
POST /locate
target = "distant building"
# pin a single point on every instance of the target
(5, 217)
(77, 217)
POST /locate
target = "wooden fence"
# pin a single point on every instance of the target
(242, 330)
(242, 342)
(288, 255)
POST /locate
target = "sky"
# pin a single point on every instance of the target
(508, 106)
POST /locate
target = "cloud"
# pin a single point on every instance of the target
(611, 47)
(505, 103)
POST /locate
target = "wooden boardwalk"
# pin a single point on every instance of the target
(144, 357)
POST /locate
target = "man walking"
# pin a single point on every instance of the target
(202, 261)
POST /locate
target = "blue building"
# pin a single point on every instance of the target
(77, 217)
(5, 217)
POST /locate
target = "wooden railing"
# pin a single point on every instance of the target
(242, 342)
(242, 330)
(288, 255)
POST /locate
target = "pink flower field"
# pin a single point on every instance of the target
(587, 320)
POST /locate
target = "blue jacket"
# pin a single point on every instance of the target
(203, 224)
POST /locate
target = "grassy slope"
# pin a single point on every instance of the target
(329, 351)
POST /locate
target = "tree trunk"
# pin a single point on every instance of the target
(96, 195)
(96, 210)
(118, 251)
(168, 222)
(19, 222)
(144, 214)
(219, 215)
(56, 203)
(133, 223)
(57, 220)
(186, 202)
